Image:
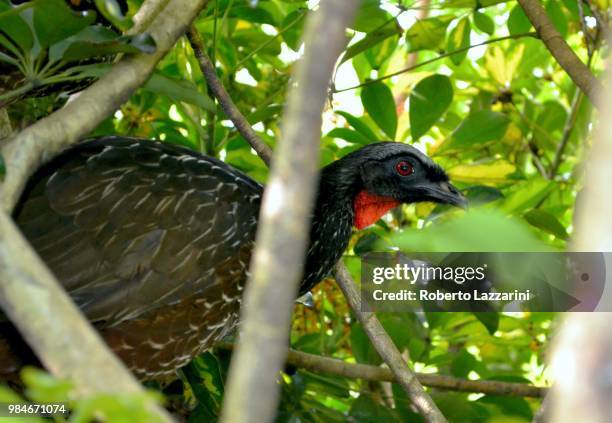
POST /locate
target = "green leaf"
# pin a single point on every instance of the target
(370, 16)
(490, 320)
(349, 135)
(2, 166)
(556, 15)
(97, 41)
(366, 410)
(15, 27)
(476, 230)
(372, 39)
(179, 91)
(204, 376)
(527, 195)
(378, 101)
(547, 222)
(428, 102)
(480, 127)
(55, 21)
(427, 33)
(463, 364)
(293, 35)
(483, 22)
(112, 12)
(359, 125)
(459, 38)
(518, 22)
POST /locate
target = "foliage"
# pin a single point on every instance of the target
(494, 116)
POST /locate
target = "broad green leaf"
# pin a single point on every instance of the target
(480, 127)
(15, 27)
(293, 25)
(489, 319)
(547, 222)
(428, 102)
(55, 21)
(349, 135)
(458, 39)
(526, 195)
(378, 101)
(370, 41)
(365, 409)
(476, 230)
(463, 364)
(80, 50)
(483, 22)
(485, 173)
(370, 16)
(179, 91)
(359, 125)
(112, 12)
(556, 15)
(518, 22)
(427, 34)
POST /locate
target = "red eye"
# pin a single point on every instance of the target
(404, 168)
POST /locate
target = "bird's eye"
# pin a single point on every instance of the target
(404, 168)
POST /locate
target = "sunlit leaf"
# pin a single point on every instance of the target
(518, 22)
(359, 125)
(378, 101)
(458, 39)
(427, 33)
(485, 173)
(428, 102)
(483, 22)
(547, 222)
(480, 127)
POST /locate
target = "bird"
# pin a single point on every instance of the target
(153, 241)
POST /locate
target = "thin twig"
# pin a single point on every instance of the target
(333, 366)
(252, 392)
(567, 132)
(563, 54)
(228, 106)
(435, 59)
(387, 349)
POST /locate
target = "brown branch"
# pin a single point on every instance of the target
(336, 367)
(252, 393)
(228, 106)
(386, 349)
(567, 132)
(29, 294)
(582, 354)
(563, 54)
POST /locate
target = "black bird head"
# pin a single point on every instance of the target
(380, 176)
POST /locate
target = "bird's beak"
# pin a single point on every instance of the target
(445, 193)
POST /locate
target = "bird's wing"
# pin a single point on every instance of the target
(129, 225)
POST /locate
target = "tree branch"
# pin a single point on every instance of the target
(563, 54)
(386, 349)
(228, 106)
(582, 354)
(253, 392)
(333, 366)
(29, 293)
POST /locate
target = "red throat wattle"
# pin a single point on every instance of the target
(371, 207)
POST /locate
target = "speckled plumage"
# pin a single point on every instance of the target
(153, 241)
